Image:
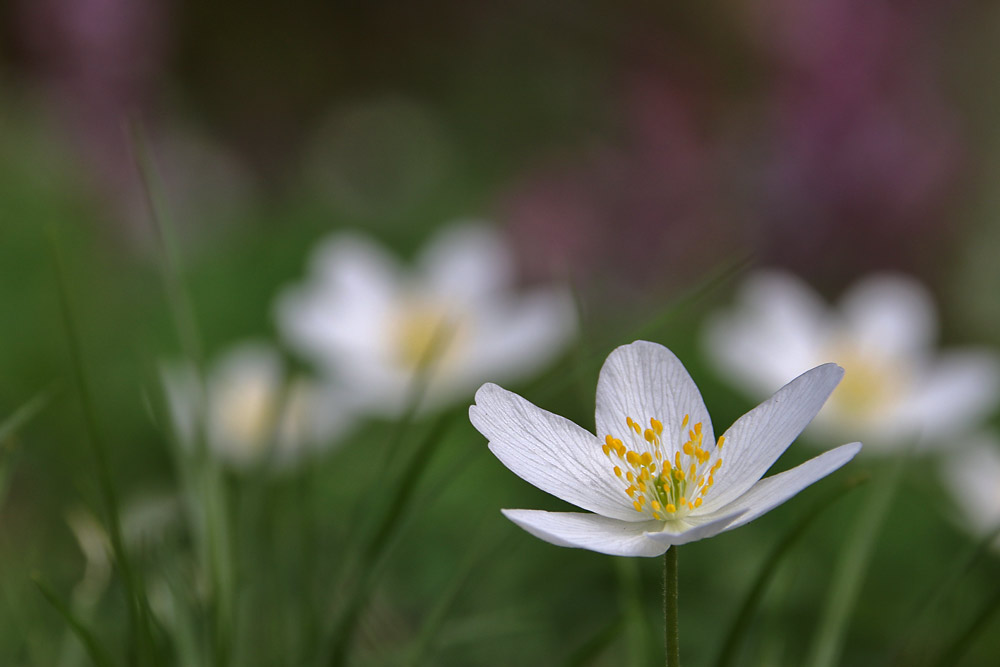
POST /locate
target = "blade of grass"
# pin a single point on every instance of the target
(551, 384)
(436, 617)
(98, 654)
(943, 586)
(374, 551)
(952, 655)
(852, 565)
(23, 415)
(178, 296)
(591, 649)
(141, 636)
(737, 631)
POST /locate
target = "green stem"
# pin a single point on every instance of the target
(671, 634)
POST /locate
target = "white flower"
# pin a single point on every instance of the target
(656, 476)
(249, 412)
(371, 323)
(896, 391)
(973, 476)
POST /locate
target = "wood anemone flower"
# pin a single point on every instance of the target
(655, 475)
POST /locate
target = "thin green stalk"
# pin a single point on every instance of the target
(932, 598)
(596, 644)
(849, 574)
(178, 296)
(374, 551)
(960, 645)
(671, 632)
(98, 654)
(23, 414)
(752, 601)
(138, 610)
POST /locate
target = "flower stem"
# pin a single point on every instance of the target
(671, 635)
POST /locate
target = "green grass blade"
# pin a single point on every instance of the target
(23, 414)
(851, 569)
(960, 645)
(591, 649)
(178, 296)
(436, 617)
(737, 631)
(374, 550)
(98, 654)
(918, 620)
(138, 609)
(554, 383)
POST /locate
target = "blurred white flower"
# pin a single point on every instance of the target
(896, 391)
(145, 522)
(656, 477)
(973, 477)
(249, 411)
(453, 319)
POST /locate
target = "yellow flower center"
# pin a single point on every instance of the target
(246, 412)
(664, 482)
(423, 335)
(870, 384)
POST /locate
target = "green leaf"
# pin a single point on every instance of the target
(738, 630)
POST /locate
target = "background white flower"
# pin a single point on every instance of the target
(897, 390)
(250, 411)
(365, 319)
(654, 476)
(973, 477)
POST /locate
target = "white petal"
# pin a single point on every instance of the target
(768, 493)
(973, 476)
(776, 330)
(590, 531)
(760, 436)
(550, 452)
(465, 262)
(645, 380)
(693, 528)
(890, 315)
(339, 315)
(956, 393)
(512, 340)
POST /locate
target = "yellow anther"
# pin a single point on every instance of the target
(642, 486)
(722, 440)
(649, 435)
(630, 476)
(697, 503)
(618, 471)
(656, 506)
(659, 454)
(678, 474)
(642, 500)
(652, 467)
(637, 505)
(677, 459)
(632, 457)
(697, 428)
(606, 449)
(670, 508)
(684, 422)
(711, 480)
(630, 491)
(609, 440)
(688, 449)
(682, 501)
(692, 471)
(716, 465)
(644, 474)
(657, 425)
(646, 458)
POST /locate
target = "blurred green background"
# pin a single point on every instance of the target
(638, 150)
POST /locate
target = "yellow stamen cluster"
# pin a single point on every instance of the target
(659, 484)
